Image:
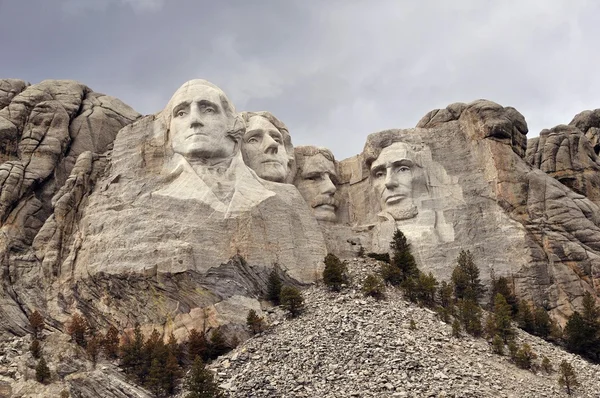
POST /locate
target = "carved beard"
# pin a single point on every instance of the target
(400, 213)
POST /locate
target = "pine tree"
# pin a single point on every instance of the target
(170, 375)
(36, 321)
(445, 294)
(391, 274)
(401, 257)
(292, 301)
(525, 318)
(174, 348)
(456, 328)
(567, 377)
(218, 345)
(498, 345)
(335, 273)
(254, 322)
(426, 289)
(110, 343)
(546, 365)
(470, 315)
(77, 328)
(525, 357)
(200, 382)
(42, 371)
(542, 323)
(35, 349)
(132, 360)
(465, 277)
(274, 286)
(501, 285)
(197, 345)
(502, 312)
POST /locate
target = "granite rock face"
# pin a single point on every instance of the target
(43, 129)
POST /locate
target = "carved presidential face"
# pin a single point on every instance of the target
(200, 124)
(316, 182)
(392, 176)
(264, 151)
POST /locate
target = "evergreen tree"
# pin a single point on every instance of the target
(525, 318)
(525, 357)
(77, 329)
(132, 356)
(36, 321)
(542, 323)
(174, 348)
(445, 294)
(546, 365)
(35, 349)
(498, 345)
(274, 286)
(401, 257)
(218, 345)
(110, 343)
(255, 323)
(335, 273)
(465, 277)
(373, 286)
(391, 274)
(197, 345)
(470, 315)
(567, 377)
(200, 382)
(292, 300)
(42, 371)
(171, 374)
(410, 286)
(456, 328)
(579, 336)
(501, 285)
(426, 289)
(502, 312)
(92, 349)
(154, 379)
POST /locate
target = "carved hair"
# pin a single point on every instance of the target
(309, 150)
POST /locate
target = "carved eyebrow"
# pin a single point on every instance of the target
(377, 168)
(403, 162)
(208, 103)
(252, 133)
(275, 134)
(180, 106)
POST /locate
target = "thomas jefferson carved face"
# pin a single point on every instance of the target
(201, 120)
(316, 180)
(392, 176)
(264, 151)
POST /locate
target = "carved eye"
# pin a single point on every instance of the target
(380, 174)
(404, 168)
(209, 110)
(252, 140)
(180, 113)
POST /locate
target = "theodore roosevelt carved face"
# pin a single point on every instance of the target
(202, 122)
(316, 179)
(392, 177)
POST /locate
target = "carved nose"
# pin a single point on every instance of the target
(270, 145)
(328, 186)
(390, 181)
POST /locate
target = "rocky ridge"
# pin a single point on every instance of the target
(346, 345)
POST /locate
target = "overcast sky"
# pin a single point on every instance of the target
(332, 70)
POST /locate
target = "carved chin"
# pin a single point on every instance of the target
(325, 213)
(272, 172)
(402, 212)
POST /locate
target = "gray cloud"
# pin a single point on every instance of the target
(333, 71)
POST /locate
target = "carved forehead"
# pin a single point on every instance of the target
(317, 164)
(259, 123)
(196, 90)
(396, 152)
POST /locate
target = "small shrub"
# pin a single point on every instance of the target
(513, 348)
(292, 300)
(37, 324)
(42, 371)
(335, 273)
(255, 323)
(412, 325)
(93, 349)
(374, 287)
(567, 377)
(525, 357)
(498, 345)
(64, 394)
(218, 345)
(110, 343)
(35, 348)
(546, 365)
(391, 274)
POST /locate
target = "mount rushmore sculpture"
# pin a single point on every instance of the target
(175, 220)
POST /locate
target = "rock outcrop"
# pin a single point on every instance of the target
(43, 129)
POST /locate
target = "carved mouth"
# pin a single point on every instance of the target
(193, 134)
(394, 199)
(326, 207)
(271, 162)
